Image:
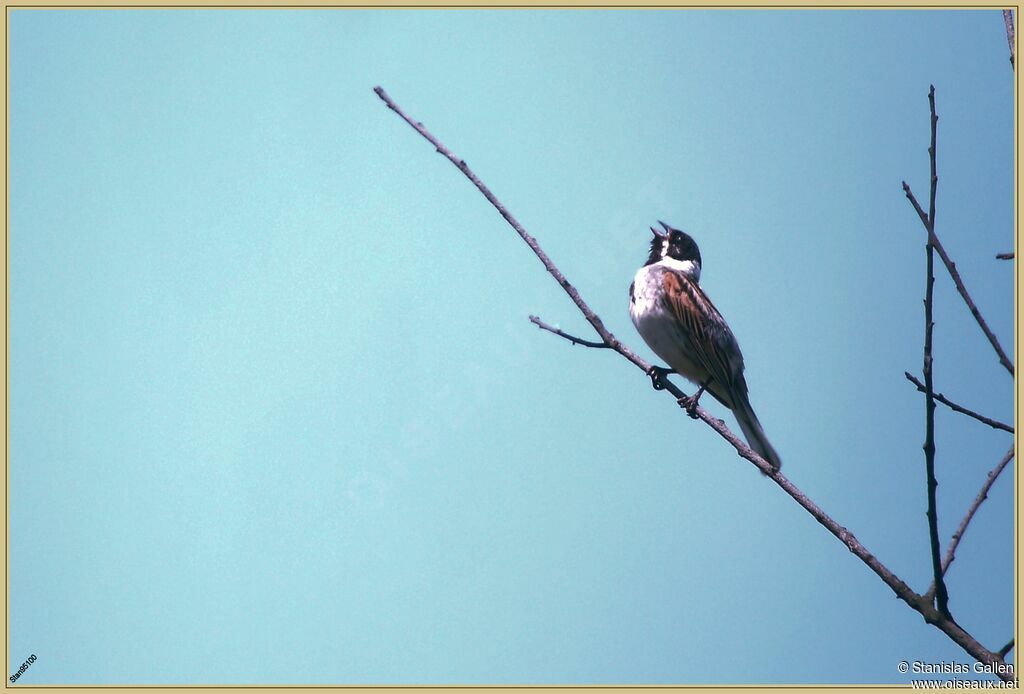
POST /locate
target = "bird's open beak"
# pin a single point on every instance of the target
(657, 234)
(665, 226)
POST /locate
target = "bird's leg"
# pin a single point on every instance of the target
(690, 403)
(658, 374)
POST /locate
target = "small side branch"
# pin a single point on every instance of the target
(1008, 21)
(1004, 256)
(571, 338)
(1005, 650)
(993, 475)
(939, 397)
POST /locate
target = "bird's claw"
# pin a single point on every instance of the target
(658, 374)
(689, 403)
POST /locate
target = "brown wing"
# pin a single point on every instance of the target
(711, 343)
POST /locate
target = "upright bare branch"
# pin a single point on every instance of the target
(899, 587)
(928, 220)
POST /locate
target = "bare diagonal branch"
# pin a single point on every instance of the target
(995, 424)
(990, 479)
(993, 475)
(591, 317)
(1004, 256)
(898, 586)
(958, 281)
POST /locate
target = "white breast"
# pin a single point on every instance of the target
(659, 328)
(646, 288)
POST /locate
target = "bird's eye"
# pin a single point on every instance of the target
(676, 237)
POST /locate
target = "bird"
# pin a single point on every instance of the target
(680, 324)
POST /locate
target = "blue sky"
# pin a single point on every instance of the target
(277, 414)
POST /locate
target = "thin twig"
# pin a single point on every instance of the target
(955, 274)
(1005, 650)
(571, 338)
(995, 424)
(1004, 256)
(1008, 20)
(962, 528)
(924, 607)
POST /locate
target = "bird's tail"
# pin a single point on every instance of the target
(752, 430)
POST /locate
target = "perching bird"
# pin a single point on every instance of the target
(682, 326)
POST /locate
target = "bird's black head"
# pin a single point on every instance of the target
(674, 244)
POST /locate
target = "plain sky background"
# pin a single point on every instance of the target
(277, 414)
